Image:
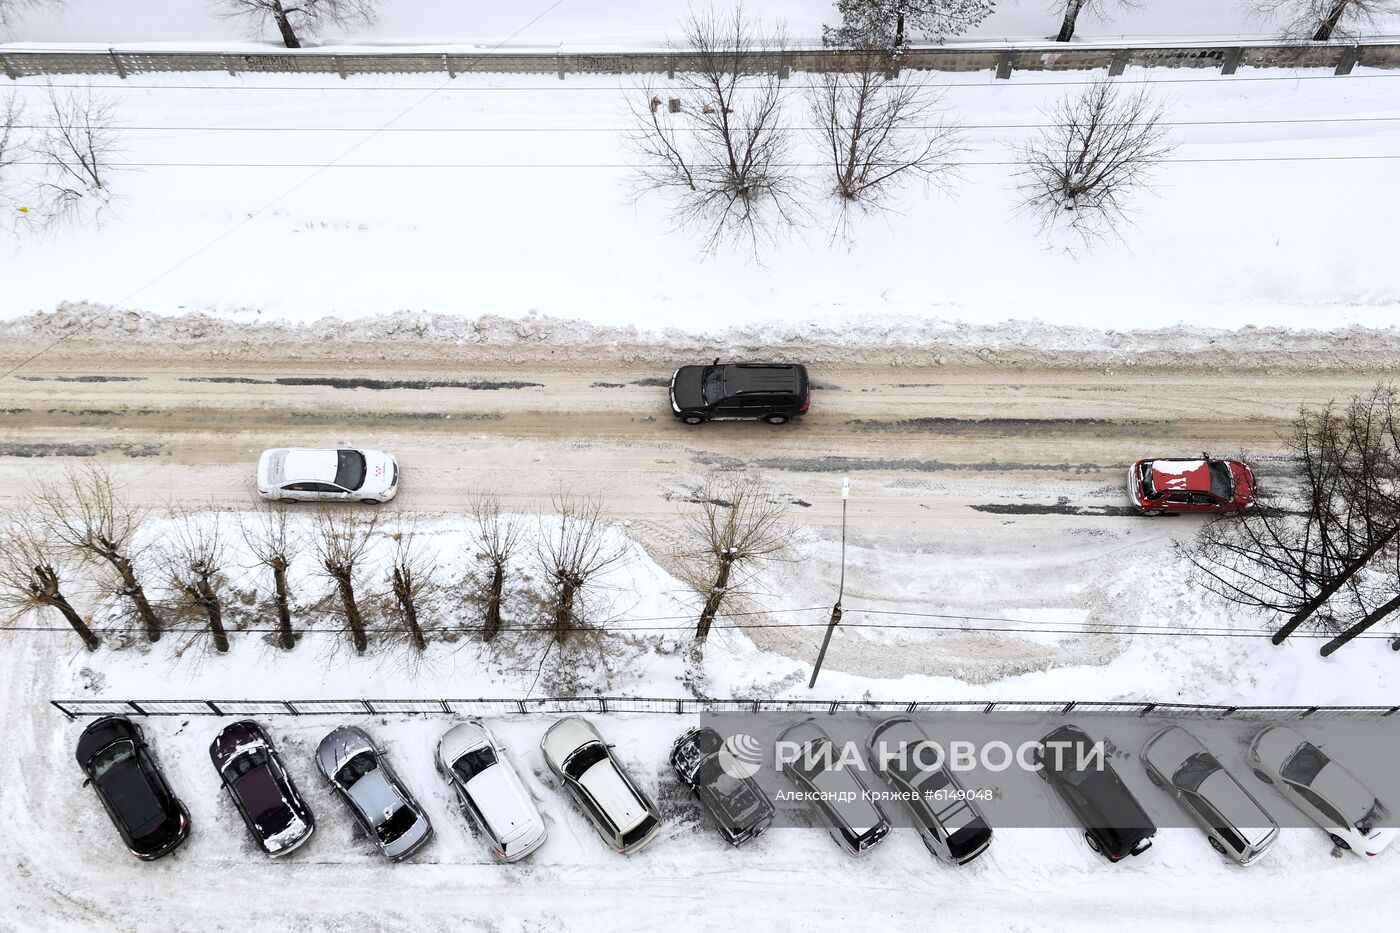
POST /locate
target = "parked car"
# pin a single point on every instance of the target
(947, 819)
(294, 474)
(838, 794)
(771, 392)
(260, 788)
(1115, 825)
(736, 804)
(490, 791)
(1159, 487)
(1235, 824)
(379, 801)
(113, 754)
(623, 815)
(1328, 793)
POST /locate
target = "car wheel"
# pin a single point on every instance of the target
(1263, 777)
(1155, 779)
(692, 419)
(1153, 513)
(290, 501)
(776, 419)
(1093, 842)
(370, 501)
(1339, 842)
(1216, 845)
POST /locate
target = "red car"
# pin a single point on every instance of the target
(1159, 487)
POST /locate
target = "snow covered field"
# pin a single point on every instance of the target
(506, 196)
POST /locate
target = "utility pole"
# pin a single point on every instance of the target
(840, 590)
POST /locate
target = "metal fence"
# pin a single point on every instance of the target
(1341, 57)
(680, 705)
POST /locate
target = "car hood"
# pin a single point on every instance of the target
(379, 472)
(1244, 481)
(686, 387)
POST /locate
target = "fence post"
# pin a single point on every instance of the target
(990, 706)
(520, 707)
(1231, 61)
(63, 709)
(1348, 60)
(602, 704)
(559, 62)
(1069, 706)
(9, 72)
(445, 708)
(138, 710)
(1119, 62)
(670, 67)
(339, 66)
(1229, 710)
(1004, 66)
(116, 61)
(1393, 709)
(291, 707)
(1308, 712)
(369, 707)
(1147, 709)
(834, 705)
(447, 65)
(680, 705)
(212, 708)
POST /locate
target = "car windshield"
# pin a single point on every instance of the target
(1195, 770)
(1222, 484)
(639, 832)
(111, 756)
(253, 758)
(712, 387)
(398, 823)
(356, 768)
(473, 763)
(1145, 472)
(585, 758)
(1304, 764)
(349, 469)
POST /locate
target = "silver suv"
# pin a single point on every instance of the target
(1235, 824)
(490, 791)
(623, 815)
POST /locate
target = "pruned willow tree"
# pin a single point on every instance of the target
(340, 539)
(1323, 20)
(1102, 9)
(298, 20)
(37, 571)
(194, 552)
(890, 24)
(274, 543)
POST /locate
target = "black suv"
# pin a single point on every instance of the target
(113, 754)
(771, 392)
(737, 804)
(1115, 825)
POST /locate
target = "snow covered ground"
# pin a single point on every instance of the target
(578, 24)
(507, 196)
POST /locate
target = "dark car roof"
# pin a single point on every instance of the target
(764, 377)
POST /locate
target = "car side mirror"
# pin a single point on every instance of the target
(87, 782)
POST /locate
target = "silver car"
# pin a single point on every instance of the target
(853, 818)
(1235, 824)
(381, 804)
(948, 821)
(1329, 794)
(623, 815)
(488, 789)
(296, 474)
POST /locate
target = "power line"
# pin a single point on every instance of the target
(511, 166)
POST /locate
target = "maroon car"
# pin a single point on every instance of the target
(260, 788)
(1158, 487)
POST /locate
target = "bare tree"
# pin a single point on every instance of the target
(736, 527)
(412, 568)
(1098, 151)
(274, 543)
(573, 549)
(1102, 9)
(78, 146)
(11, 149)
(887, 23)
(1321, 20)
(1304, 554)
(298, 19)
(721, 156)
(12, 11)
(85, 511)
(341, 538)
(34, 567)
(496, 537)
(879, 132)
(194, 554)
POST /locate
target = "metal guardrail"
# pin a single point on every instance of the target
(73, 708)
(1341, 57)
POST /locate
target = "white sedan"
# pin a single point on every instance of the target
(291, 474)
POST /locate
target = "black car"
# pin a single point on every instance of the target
(836, 791)
(260, 788)
(771, 392)
(736, 804)
(119, 766)
(1115, 824)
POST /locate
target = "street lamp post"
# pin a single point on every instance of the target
(840, 590)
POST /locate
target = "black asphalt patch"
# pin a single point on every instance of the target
(1014, 426)
(83, 378)
(652, 383)
(1061, 508)
(862, 464)
(480, 385)
(608, 385)
(77, 450)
